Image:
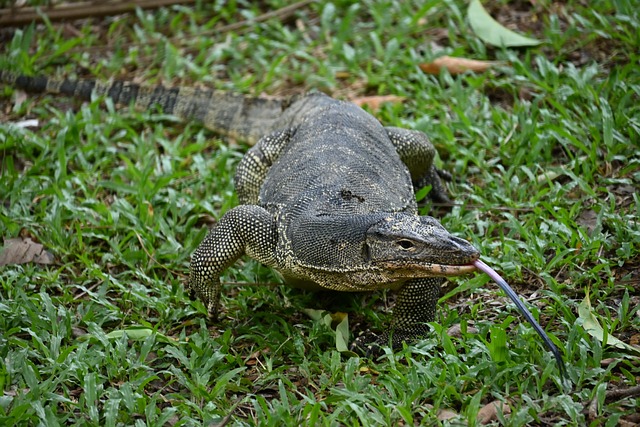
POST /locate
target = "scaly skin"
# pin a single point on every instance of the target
(330, 202)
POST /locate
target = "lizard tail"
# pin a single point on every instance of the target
(241, 117)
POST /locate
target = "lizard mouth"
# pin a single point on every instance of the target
(433, 269)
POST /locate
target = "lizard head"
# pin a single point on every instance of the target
(410, 246)
(418, 246)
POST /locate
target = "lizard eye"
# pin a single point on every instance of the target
(406, 244)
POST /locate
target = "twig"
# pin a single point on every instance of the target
(623, 393)
(225, 420)
(87, 290)
(26, 15)
(615, 394)
(154, 260)
(282, 14)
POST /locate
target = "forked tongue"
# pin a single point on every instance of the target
(523, 309)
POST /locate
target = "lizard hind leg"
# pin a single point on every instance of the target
(254, 166)
(417, 153)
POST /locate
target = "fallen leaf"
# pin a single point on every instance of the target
(591, 325)
(135, 334)
(33, 123)
(489, 412)
(24, 250)
(549, 176)
(456, 65)
(559, 171)
(589, 220)
(20, 97)
(139, 333)
(492, 32)
(78, 332)
(456, 331)
(446, 414)
(252, 360)
(375, 102)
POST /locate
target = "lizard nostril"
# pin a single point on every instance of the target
(464, 246)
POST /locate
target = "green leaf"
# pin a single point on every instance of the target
(491, 31)
(314, 314)
(422, 193)
(498, 344)
(472, 409)
(342, 333)
(341, 322)
(138, 333)
(591, 326)
(134, 333)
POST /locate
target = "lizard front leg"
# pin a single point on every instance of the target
(415, 307)
(246, 229)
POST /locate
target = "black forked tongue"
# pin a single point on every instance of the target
(525, 312)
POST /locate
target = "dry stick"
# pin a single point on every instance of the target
(282, 14)
(154, 260)
(610, 395)
(225, 420)
(26, 15)
(622, 393)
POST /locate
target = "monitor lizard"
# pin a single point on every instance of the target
(327, 200)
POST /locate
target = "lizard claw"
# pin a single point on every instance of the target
(444, 175)
(434, 178)
(368, 344)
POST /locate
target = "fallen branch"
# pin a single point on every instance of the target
(282, 14)
(612, 395)
(26, 15)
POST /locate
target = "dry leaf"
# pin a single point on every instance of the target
(456, 331)
(375, 102)
(456, 65)
(446, 414)
(489, 412)
(23, 250)
(559, 171)
(19, 97)
(253, 358)
(32, 123)
(588, 220)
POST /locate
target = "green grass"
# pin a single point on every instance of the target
(544, 149)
